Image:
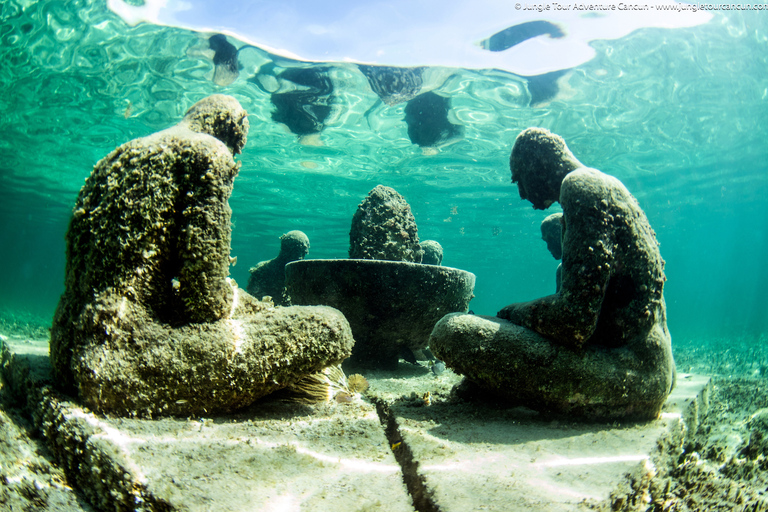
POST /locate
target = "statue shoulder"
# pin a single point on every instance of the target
(583, 184)
(588, 184)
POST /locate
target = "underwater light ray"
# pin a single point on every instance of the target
(588, 461)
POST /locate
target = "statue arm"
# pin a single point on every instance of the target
(204, 238)
(570, 317)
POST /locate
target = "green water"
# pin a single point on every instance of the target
(679, 116)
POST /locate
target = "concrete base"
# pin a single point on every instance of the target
(470, 456)
(273, 456)
(406, 445)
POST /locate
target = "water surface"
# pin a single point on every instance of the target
(678, 115)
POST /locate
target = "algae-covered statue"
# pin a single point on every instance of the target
(267, 278)
(433, 252)
(149, 323)
(383, 228)
(600, 348)
(551, 233)
(390, 298)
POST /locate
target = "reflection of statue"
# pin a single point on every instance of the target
(542, 88)
(601, 346)
(149, 323)
(225, 59)
(551, 231)
(226, 68)
(306, 105)
(428, 123)
(268, 277)
(394, 85)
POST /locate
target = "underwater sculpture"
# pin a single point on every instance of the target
(433, 252)
(551, 233)
(600, 348)
(149, 323)
(391, 300)
(268, 277)
(383, 228)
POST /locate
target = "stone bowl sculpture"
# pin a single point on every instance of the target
(390, 305)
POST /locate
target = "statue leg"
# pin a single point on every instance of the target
(142, 367)
(522, 366)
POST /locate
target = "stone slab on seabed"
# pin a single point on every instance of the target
(475, 456)
(453, 456)
(276, 456)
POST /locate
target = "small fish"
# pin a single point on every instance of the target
(128, 110)
(438, 368)
(396, 445)
(343, 397)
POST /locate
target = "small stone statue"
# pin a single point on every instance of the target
(551, 231)
(268, 277)
(433, 252)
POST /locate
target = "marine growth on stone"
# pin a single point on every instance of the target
(149, 322)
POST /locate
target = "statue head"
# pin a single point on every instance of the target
(551, 233)
(222, 117)
(539, 162)
(294, 245)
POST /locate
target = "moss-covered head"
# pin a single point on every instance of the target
(539, 162)
(222, 117)
(294, 245)
(433, 252)
(551, 233)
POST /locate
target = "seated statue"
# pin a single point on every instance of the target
(433, 252)
(600, 348)
(267, 278)
(551, 233)
(149, 323)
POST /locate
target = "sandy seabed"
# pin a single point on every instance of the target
(723, 467)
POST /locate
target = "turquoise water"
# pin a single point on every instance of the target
(679, 116)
